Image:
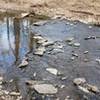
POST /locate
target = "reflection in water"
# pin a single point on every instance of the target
(15, 40)
(17, 37)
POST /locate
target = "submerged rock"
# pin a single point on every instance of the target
(52, 71)
(45, 89)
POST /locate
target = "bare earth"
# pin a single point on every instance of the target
(87, 11)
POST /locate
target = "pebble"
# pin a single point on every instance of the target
(45, 89)
(85, 52)
(23, 64)
(93, 88)
(15, 93)
(52, 71)
(40, 51)
(76, 44)
(75, 54)
(79, 81)
(69, 39)
(83, 89)
(98, 60)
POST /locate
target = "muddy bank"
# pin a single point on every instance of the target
(86, 11)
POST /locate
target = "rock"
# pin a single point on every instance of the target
(69, 39)
(14, 94)
(79, 81)
(76, 44)
(23, 64)
(90, 37)
(83, 89)
(98, 60)
(24, 15)
(52, 71)
(37, 37)
(45, 89)
(42, 41)
(85, 52)
(75, 54)
(40, 23)
(40, 51)
(72, 58)
(93, 88)
(48, 43)
(64, 78)
(70, 43)
(62, 86)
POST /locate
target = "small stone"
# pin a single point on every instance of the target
(40, 51)
(52, 71)
(86, 60)
(93, 88)
(83, 89)
(63, 78)
(48, 43)
(90, 27)
(70, 43)
(38, 37)
(75, 54)
(14, 94)
(72, 58)
(98, 60)
(35, 74)
(69, 39)
(76, 44)
(40, 23)
(85, 52)
(23, 64)
(24, 15)
(62, 86)
(45, 89)
(79, 81)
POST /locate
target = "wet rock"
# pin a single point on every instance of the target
(62, 86)
(52, 71)
(90, 37)
(98, 60)
(92, 88)
(85, 52)
(72, 58)
(37, 37)
(69, 39)
(24, 63)
(40, 51)
(45, 89)
(83, 89)
(23, 15)
(42, 41)
(76, 44)
(48, 43)
(64, 78)
(14, 94)
(70, 43)
(40, 23)
(75, 54)
(79, 81)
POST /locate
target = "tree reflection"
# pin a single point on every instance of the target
(17, 37)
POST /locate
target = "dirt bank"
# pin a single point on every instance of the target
(86, 11)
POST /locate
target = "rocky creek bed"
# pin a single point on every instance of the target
(58, 60)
